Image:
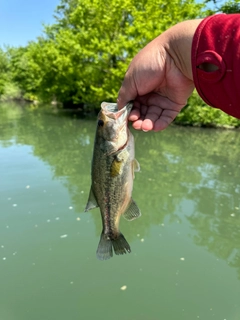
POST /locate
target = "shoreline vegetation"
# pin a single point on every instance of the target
(192, 115)
(80, 60)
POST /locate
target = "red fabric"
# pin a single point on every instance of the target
(217, 41)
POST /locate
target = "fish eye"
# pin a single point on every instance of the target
(100, 123)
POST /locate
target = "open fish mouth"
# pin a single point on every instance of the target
(111, 110)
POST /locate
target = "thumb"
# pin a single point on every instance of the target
(128, 92)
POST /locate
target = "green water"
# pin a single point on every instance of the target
(185, 260)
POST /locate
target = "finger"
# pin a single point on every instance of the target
(155, 117)
(165, 119)
(138, 111)
(144, 116)
(137, 115)
(137, 125)
(149, 122)
(134, 115)
(153, 122)
(145, 120)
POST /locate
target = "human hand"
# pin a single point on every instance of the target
(159, 78)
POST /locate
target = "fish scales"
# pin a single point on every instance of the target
(113, 167)
(110, 189)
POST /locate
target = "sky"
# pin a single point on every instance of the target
(21, 20)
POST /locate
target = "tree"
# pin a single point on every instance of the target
(84, 55)
(4, 70)
(232, 6)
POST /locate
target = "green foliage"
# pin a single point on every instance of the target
(230, 7)
(10, 92)
(197, 113)
(84, 55)
(4, 66)
(8, 89)
(217, 6)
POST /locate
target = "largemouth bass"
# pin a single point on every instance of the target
(113, 166)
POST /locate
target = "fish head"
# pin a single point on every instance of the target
(112, 126)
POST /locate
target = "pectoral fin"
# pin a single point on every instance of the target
(92, 202)
(116, 167)
(132, 212)
(118, 163)
(136, 165)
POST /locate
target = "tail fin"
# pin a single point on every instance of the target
(120, 245)
(104, 250)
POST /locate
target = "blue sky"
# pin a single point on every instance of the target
(21, 20)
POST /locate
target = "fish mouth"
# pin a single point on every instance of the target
(111, 110)
(110, 107)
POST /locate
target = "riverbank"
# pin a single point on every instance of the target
(195, 114)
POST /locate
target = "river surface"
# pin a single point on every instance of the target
(185, 260)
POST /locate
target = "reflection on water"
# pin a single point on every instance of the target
(185, 247)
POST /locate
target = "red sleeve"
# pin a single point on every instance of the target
(217, 41)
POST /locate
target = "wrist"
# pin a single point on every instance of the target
(178, 44)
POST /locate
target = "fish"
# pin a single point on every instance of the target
(112, 174)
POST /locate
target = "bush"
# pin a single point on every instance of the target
(10, 92)
(197, 113)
